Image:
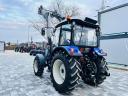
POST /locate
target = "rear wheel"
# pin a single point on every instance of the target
(38, 67)
(89, 73)
(96, 75)
(64, 73)
(102, 70)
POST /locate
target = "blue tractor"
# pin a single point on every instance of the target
(76, 56)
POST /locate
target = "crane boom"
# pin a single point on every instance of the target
(53, 14)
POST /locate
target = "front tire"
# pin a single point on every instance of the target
(30, 53)
(38, 67)
(64, 73)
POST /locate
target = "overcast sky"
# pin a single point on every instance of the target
(14, 16)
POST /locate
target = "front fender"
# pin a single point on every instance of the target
(41, 58)
(99, 52)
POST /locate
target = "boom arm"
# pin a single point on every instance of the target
(52, 14)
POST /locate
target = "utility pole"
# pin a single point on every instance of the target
(102, 5)
(17, 42)
(28, 33)
(31, 40)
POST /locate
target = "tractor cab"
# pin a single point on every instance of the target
(75, 32)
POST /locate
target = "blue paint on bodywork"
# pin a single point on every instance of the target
(76, 50)
(99, 52)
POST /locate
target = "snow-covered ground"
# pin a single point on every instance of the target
(17, 79)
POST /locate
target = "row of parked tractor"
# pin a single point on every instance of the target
(32, 49)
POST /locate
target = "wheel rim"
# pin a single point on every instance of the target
(35, 66)
(59, 72)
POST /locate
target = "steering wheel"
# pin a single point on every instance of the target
(67, 41)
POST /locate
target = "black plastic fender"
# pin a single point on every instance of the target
(42, 59)
(100, 52)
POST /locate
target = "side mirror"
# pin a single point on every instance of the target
(42, 31)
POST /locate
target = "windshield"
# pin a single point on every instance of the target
(84, 36)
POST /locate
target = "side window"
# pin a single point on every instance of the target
(65, 35)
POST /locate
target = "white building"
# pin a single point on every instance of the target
(2, 46)
(114, 28)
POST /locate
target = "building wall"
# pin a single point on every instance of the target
(115, 20)
(116, 49)
(2, 45)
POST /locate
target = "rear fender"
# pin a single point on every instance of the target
(67, 49)
(99, 52)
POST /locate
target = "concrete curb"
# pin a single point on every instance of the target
(119, 67)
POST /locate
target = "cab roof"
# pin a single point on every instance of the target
(78, 22)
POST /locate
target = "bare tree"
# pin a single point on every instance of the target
(71, 11)
(61, 8)
(37, 25)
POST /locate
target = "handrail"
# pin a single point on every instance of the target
(115, 34)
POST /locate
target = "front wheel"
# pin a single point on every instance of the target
(38, 67)
(64, 73)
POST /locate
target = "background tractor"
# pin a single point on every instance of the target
(76, 55)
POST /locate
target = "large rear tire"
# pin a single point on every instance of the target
(64, 73)
(101, 70)
(99, 75)
(38, 67)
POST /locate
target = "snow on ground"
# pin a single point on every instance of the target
(17, 79)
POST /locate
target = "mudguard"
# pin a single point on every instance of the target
(99, 52)
(41, 58)
(76, 51)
